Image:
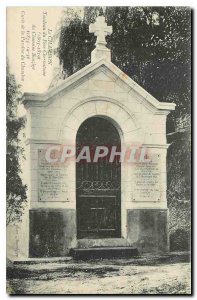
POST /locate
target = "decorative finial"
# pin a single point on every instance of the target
(101, 30)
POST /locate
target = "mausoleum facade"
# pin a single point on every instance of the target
(73, 205)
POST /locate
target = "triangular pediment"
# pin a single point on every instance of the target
(101, 70)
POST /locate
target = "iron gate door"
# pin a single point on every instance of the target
(98, 184)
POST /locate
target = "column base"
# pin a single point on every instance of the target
(148, 229)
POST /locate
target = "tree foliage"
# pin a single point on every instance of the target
(150, 44)
(15, 189)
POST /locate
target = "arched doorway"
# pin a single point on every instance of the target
(98, 184)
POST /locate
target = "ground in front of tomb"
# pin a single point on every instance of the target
(167, 274)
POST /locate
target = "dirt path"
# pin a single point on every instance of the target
(102, 277)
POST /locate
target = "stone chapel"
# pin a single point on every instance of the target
(95, 205)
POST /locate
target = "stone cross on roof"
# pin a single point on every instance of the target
(101, 30)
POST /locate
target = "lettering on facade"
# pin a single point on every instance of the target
(52, 180)
(147, 180)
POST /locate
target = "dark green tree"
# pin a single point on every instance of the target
(150, 44)
(15, 189)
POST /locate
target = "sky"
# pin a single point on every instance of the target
(31, 44)
(29, 34)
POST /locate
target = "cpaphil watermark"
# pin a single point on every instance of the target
(96, 153)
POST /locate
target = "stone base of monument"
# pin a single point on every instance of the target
(107, 242)
(104, 253)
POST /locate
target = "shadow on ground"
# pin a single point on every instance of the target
(150, 274)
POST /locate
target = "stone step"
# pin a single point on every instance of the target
(103, 252)
(107, 242)
(38, 260)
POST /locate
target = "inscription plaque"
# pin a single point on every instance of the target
(52, 178)
(147, 180)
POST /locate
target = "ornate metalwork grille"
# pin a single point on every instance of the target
(98, 184)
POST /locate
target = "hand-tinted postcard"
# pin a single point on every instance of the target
(98, 150)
